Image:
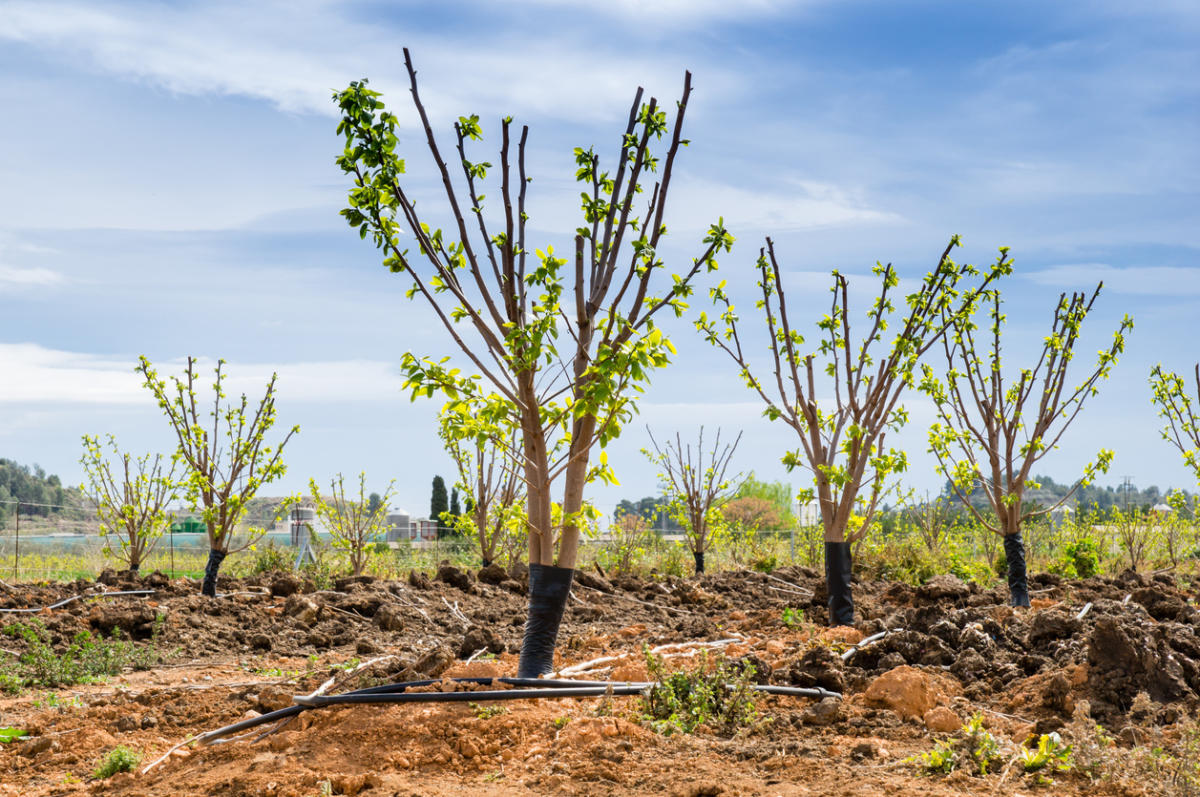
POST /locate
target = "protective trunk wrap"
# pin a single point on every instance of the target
(209, 587)
(837, 581)
(548, 590)
(699, 557)
(1018, 587)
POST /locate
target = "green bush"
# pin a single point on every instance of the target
(271, 558)
(720, 697)
(119, 759)
(86, 659)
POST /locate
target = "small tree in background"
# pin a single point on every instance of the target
(991, 433)
(131, 499)
(844, 446)
(225, 451)
(353, 525)
(491, 481)
(1176, 406)
(455, 507)
(439, 504)
(696, 483)
(561, 347)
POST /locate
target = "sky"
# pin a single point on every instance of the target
(168, 188)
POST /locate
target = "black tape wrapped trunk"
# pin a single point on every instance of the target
(699, 557)
(837, 582)
(1018, 585)
(209, 586)
(549, 587)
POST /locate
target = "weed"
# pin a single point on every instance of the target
(51, 700)
(560, 722)
(1049, 753)
(119, 759)
(792, 618)
(11, 734)
(86, 659)
(486, 712)
(974, 747)
(271, 558)
(721, 699)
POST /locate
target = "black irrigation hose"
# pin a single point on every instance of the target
(73, 598)
(526, 689)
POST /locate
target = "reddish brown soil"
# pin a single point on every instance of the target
(960, 650)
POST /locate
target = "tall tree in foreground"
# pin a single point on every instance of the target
(696, 483)
(843, 441)
(560, 348)
(1175, 405)
(225, 452)
(491, 481)
(991, 432)
(353, 524)
(131, 499)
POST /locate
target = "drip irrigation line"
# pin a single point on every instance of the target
(869, 640)
(74, 598)
(525, 689)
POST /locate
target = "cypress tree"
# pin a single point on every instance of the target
(438, 502)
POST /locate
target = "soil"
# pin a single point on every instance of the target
(952, 650)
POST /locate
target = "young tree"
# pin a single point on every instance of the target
(352, 524)
(1175, 405)
(695, 482)
(560, 351)
(491, 481)
(439, 504)
(225, 453)
(131, 499)
(844, 445)
(991, 432)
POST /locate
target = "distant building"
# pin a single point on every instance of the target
(403, 528)
(809, 514)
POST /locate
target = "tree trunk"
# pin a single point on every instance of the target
(209, 585)
(837, 583)
(1014, 554)
(549, 587)
(699, 557)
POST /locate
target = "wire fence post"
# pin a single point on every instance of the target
(17, 549)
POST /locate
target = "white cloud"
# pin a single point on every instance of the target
(686, 12)
(1140, 280)
(35, 374)
(12, 276)
(294, 58)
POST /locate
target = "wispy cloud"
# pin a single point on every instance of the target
(14, 277)
(293, 59)
(1141, 280)
(35, 374)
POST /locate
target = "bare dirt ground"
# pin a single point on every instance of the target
(955, 650)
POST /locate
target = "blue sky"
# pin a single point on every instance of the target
(167, 188)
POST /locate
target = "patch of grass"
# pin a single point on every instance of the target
(86, 659)
(487, 711)
(719, 696)
(119, 759)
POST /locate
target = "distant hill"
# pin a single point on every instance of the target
(1100, 497)
(39, 494)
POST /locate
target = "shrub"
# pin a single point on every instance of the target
(119, 759)
(85, 659)
(720, 697)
